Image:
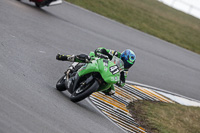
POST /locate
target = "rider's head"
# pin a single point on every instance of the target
(128, 57)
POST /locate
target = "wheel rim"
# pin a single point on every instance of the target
(81, 90)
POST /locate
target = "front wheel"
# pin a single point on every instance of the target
(82, 92)
(60, 86)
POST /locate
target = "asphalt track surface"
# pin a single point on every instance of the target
(31, 37)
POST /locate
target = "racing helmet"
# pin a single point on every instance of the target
(128, 57)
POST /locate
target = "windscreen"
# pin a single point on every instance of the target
(118, 62)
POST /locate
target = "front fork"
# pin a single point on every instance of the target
(73, 82)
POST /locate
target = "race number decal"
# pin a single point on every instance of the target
(114, 69)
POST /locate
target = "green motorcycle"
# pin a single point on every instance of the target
(97, 75)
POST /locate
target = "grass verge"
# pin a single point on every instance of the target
(159, 117)
(152, 17)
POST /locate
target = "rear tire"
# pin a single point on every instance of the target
(37, 5)
(78, 96)
(60, 86)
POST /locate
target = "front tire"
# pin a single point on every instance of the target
(79, 95)
(60, 86)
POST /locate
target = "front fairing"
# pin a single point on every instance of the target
(89, 68)
(109, 70)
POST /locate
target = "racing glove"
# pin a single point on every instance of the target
(104, 52)
(121, 83)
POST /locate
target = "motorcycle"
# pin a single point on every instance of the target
(97, 75)
(42, 3)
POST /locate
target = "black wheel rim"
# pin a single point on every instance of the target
(81, 90)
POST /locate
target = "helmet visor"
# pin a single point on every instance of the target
(127, 65)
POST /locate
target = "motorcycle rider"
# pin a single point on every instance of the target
(127, 56)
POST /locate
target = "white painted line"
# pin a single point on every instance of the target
(161, 90)
(43, 52)
(88, 99)
(13, 36)
(180, 100)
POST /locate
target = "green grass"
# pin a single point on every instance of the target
(158, 117)
(151, 17)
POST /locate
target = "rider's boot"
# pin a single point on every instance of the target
(82, 58)
(65, 57)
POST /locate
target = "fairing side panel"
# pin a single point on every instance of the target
(88, 68)
(105, 72)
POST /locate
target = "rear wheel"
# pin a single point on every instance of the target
(60, 86)
(37, 5)
(84, 91)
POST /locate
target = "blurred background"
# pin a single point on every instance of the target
(191, 7)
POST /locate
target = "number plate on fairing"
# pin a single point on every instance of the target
(114, 69)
